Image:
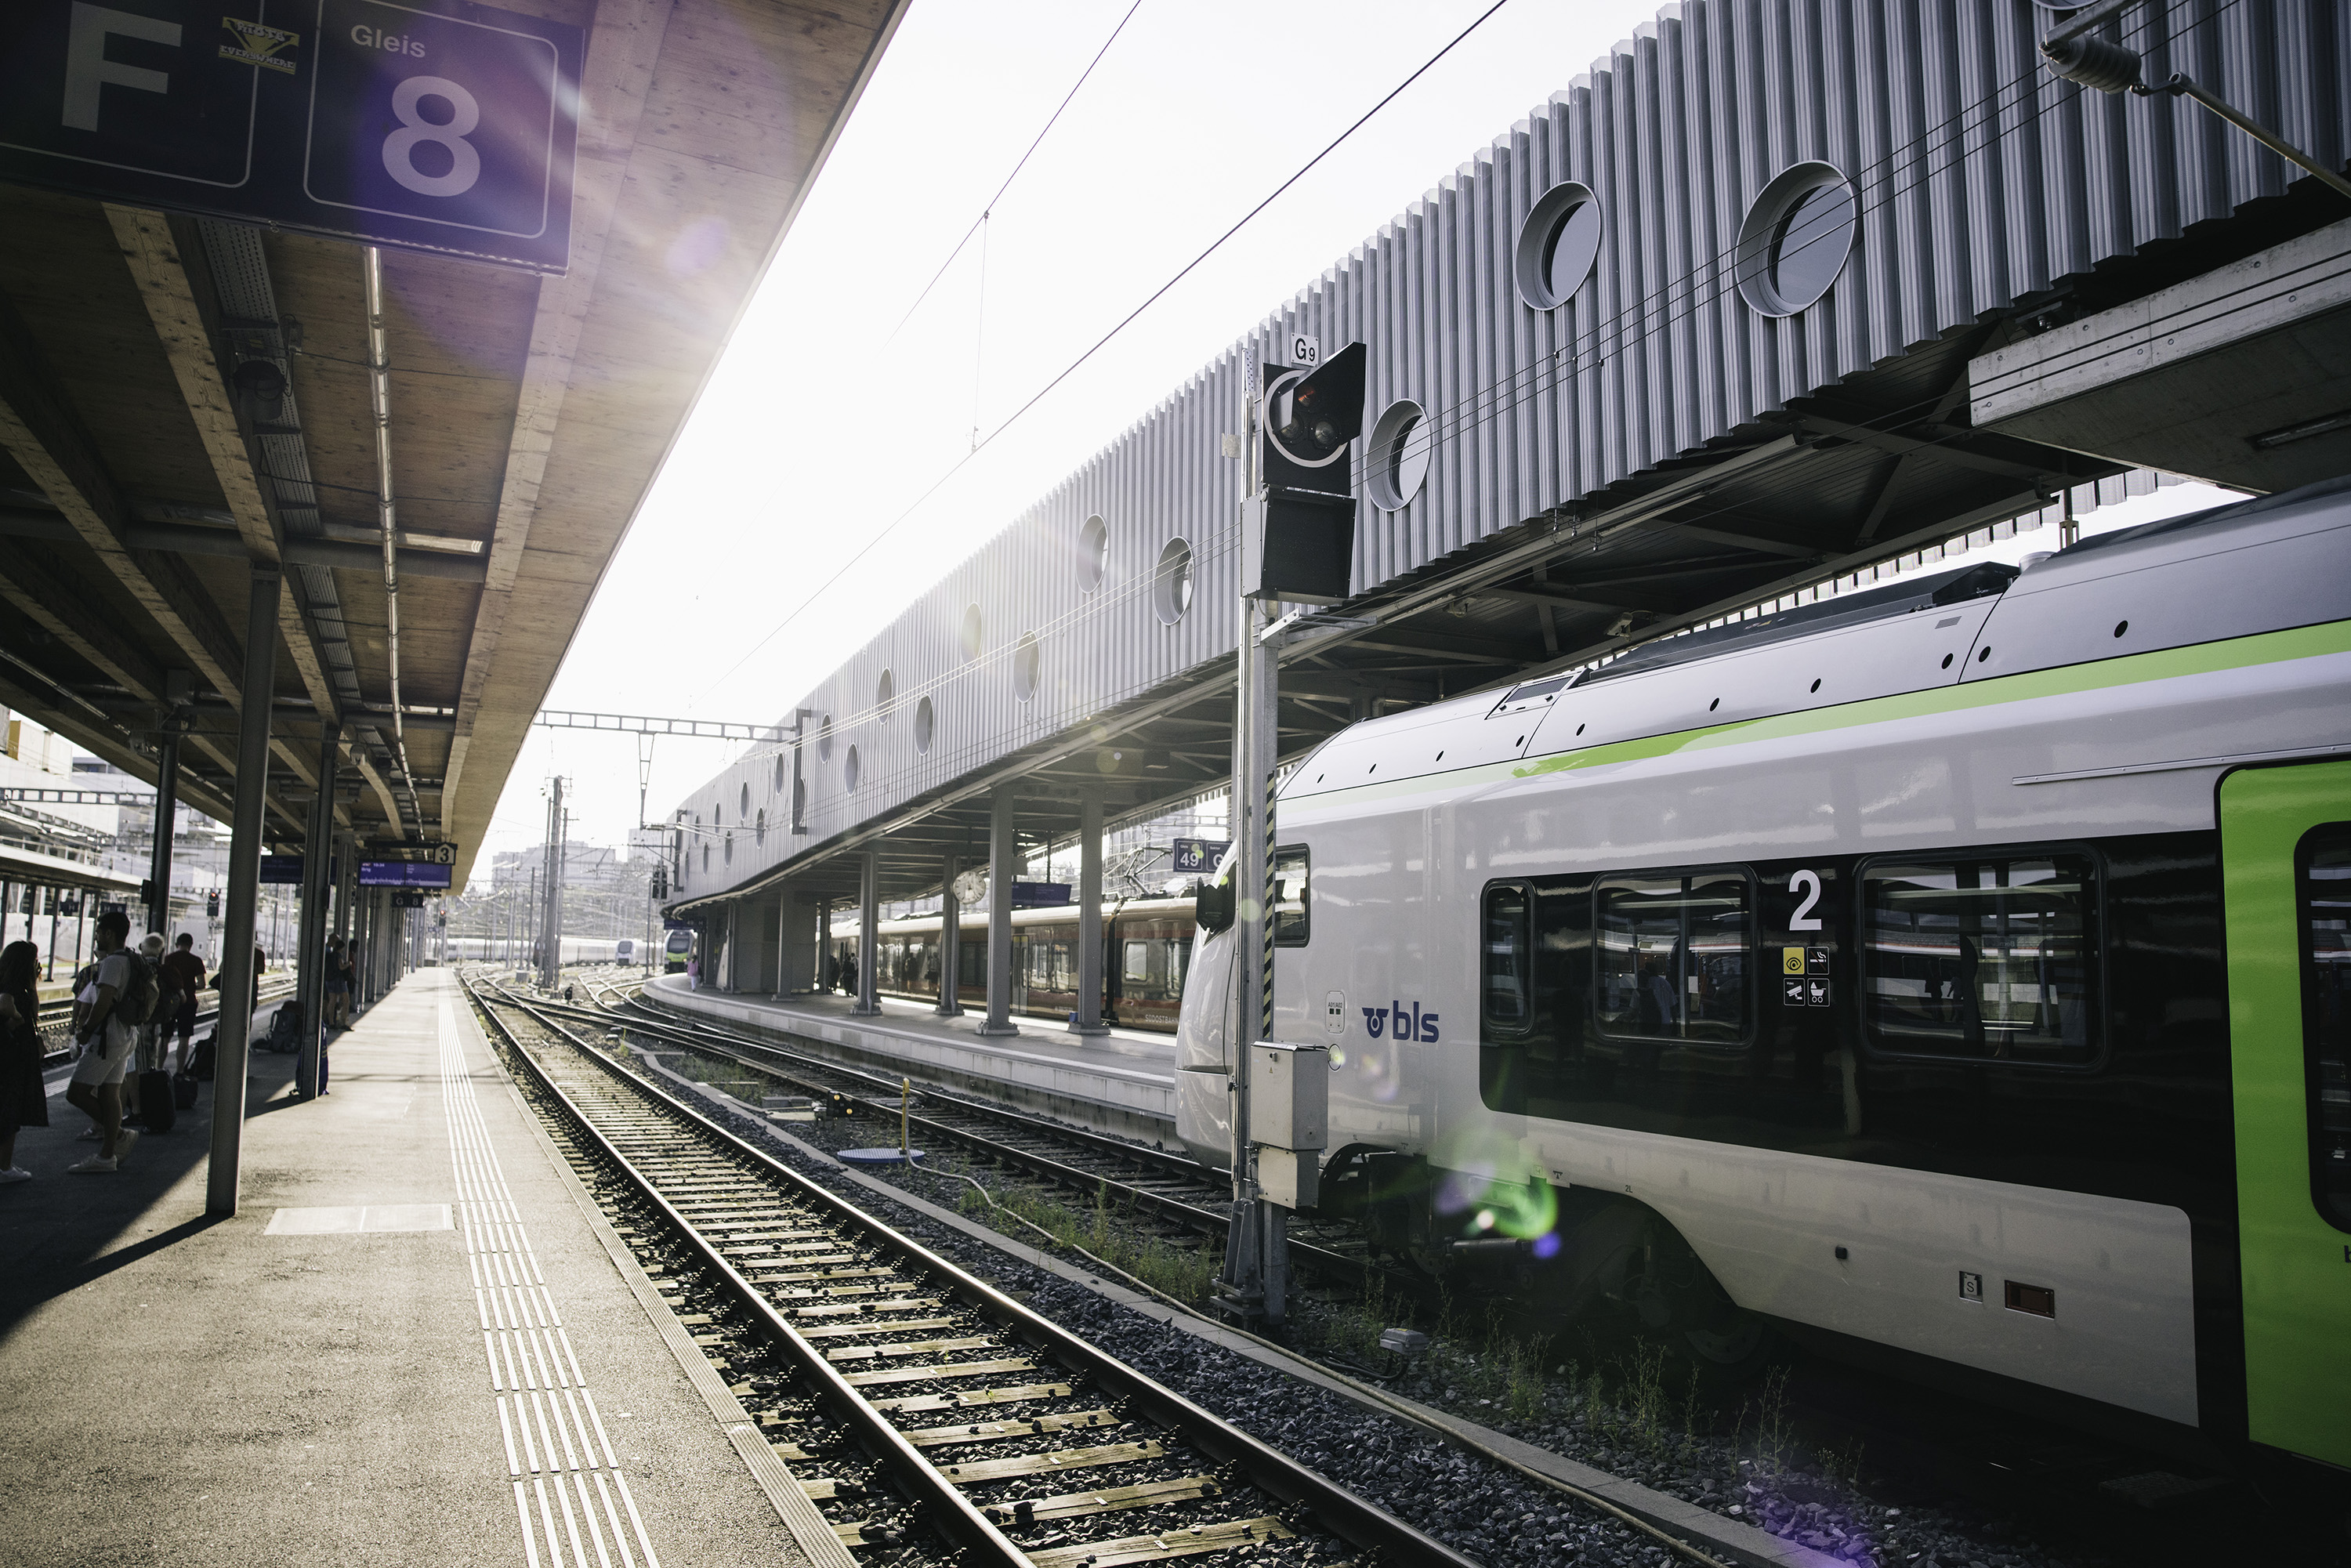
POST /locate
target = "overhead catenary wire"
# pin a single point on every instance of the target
(979, 224)
(982, 444)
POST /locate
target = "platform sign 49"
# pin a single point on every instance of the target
(443, 127)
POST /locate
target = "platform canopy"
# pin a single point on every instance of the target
(182, 395)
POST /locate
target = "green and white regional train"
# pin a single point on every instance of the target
(1953, 976)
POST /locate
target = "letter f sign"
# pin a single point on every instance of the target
(87, 69)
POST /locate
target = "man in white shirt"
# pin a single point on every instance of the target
(107, 1042)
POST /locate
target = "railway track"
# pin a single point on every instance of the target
(1173, 1189)
(907, 1394)
(57, 1017)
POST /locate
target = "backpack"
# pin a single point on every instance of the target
(137, 1003)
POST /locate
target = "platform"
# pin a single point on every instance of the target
(314, 1380)
(1123, 1082)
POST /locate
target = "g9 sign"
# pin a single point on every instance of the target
(432, 126)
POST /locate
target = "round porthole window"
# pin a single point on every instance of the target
(974, 632)
(760, 828)
(1093, 553)
(1171, 583)
(824, 739)
(1400, 451)
(1028, 660)
(706, 857)
(850, 769)
(717, 814)
(728, 847)
(1558, 245)
(886, 695)
(923, 722)
(743, 808)
(1796, 238)
(778, 787)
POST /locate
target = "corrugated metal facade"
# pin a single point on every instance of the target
(1982, 181)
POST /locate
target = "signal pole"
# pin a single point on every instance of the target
(551, 966)
(1298, 530)
(1256, 1245)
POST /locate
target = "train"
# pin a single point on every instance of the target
(677, 950)
(576, 950)
(1951, 975)
(1146, 952)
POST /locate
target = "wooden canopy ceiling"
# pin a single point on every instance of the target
(141, 475)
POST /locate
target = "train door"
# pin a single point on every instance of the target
(2285, 854)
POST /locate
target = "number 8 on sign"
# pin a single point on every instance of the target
(449, 135)
(456, 126)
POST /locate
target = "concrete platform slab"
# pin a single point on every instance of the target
(274, 1389)
(1123, 1082)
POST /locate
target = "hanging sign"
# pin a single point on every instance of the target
(437, 126)
(1199, 856)
(403, 873)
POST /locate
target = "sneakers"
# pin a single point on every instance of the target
(15, 1174)
(97, 1164)
(124, 1141)
(89, 1134)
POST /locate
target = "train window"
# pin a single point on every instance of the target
(1671, 962)
(1289, 912)
(1505, 1006)
(1988, 958)
(2325, 898)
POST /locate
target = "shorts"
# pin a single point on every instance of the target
(100, 1067)
(184, 1021)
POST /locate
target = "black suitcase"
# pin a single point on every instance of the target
(157, 1106)
(183, 1091)
(200, 1061)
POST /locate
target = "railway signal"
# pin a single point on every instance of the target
(1299, 531)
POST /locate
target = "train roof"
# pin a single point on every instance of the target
(2271, 563)
(1044, 915)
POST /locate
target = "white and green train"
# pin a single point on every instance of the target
(1952, 976)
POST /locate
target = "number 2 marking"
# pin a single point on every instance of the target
(1809, 883)
(400, 147)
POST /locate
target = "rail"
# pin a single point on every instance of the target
(1172, 1187)
(859, 1312)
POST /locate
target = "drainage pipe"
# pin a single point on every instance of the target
(380, 399)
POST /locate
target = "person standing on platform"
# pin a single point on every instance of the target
(147, 1051)
(185, 977)
(337, 998)
(24, 1098)
(107, 1041)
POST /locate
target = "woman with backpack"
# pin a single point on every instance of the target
(122, 995)
(24, 1097)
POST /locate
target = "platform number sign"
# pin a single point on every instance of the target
(444, 127)
(1305, 351)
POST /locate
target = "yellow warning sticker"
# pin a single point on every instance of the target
(1792, 960)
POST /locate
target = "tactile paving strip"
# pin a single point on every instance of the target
(559, 1457)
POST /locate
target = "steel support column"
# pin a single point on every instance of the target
(868, 933)
(310, 946)
(950, 940)
(167, 814)
(1001, 849)
(1090, 928)
(824, 946)
(232, 1034)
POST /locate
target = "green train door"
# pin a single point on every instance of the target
(2286, 856)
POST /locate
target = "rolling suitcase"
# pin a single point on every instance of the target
(158, 1101)
(200, 1062)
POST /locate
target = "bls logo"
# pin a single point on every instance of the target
(1410, 1025)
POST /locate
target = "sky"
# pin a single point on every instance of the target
(843, 414)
